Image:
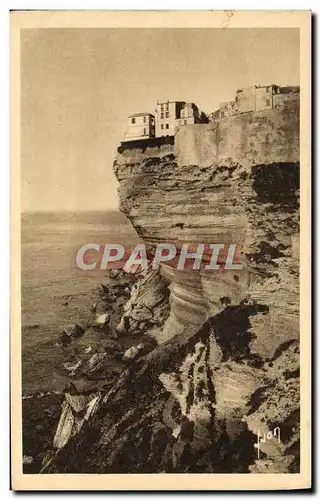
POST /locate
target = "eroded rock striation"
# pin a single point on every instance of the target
(227, 362)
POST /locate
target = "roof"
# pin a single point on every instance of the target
(289, 89)
(140, 114)
(165, 102)
(257, 87)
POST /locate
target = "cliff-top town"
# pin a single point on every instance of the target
(172, 114)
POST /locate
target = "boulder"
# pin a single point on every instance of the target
(94, 364)
(125, 324)
(147, 306)
(64, 339)
(72, 366)
(74, 331)
(102, 319)
(76, 409)
(77, 401)
(132, 352)
(65, 427)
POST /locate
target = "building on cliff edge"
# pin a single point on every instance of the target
(255, 98)
(169, 115)
(140, 126)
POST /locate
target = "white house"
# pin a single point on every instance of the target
(140, 126)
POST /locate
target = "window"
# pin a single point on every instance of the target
(162, 115)
(145, 132)
(133, 120)
(167, 106)
(167, 114)
(185, 121)
(162, 126)
(268, 102)
(167, 125)
(144, 119)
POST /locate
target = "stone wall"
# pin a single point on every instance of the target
(268, 136)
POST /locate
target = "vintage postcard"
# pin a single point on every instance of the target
(160, 292)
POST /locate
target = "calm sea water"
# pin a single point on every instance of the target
(54, 291)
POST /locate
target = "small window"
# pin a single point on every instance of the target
(185, 121)
(167, 125)
(145, 132)
(133, 120)
(162, 115)
(167, 114)
(162, 126)
(268, 102)
(167, 106)
(144, 119)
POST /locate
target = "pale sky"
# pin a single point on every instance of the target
(79, 85)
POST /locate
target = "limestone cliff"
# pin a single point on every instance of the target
(227, 363)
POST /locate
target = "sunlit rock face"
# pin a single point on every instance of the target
(227, 363)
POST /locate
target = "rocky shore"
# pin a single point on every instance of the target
(122, 328)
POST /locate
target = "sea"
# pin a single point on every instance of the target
(54, 291)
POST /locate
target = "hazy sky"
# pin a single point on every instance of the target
(79, 85)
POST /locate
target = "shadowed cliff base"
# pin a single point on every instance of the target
(167, 414)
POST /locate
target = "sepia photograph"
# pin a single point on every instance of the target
(160, 189)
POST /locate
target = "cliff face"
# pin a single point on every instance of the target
(227, 363)
(234, 181)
